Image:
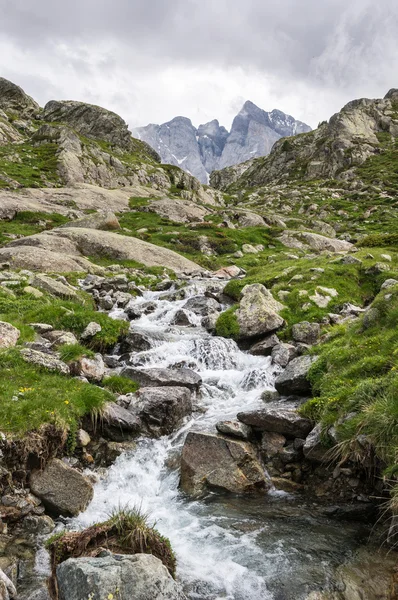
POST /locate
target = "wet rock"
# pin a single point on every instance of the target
(181, 318)
(270, 396)
(264, 348)
(234, 429)
(213, 462)
(63, 490)
(9, 335)
(283, 353)
(140, 576)
(135, 311)
(38, 525)
(92, 369)
(271, 444)
(294, 379)
(119, 423)
(202, 305)
(41, 359)
(209, 323)
(136, 341)
(7, 588)
(305, 332)
(314, 450)
(91, 330)
(163, 377)
(162, 410)
(282, 419)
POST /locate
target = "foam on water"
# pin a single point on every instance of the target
(214, 561)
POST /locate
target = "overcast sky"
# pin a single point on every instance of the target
(151, 60)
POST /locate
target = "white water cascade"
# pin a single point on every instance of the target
(226, 547)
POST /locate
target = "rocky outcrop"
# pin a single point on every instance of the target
(79, 242)
(14, 101)
(141, 576)
(218, 463)
(332, 151)
(62, 489)
(210, 147)
(106, 220)
(44, 360)
(91, 121)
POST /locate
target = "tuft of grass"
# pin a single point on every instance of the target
(127, 531)
(72, 352)
(28, 223)
(120, 385)
(227, 325)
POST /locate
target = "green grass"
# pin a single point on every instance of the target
(120, 385)
(28, 223)
(61, 314)
(28, 165)
(31, 396)
(71, 352)
(356, 374)
(184, 238)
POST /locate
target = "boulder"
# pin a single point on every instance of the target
(202, 305)
(63, 490)
(92, 369)
(91, 330)
(164, 377)
(282, 418)
(272, 444)
(321, 242)
(9, 335)
(162, 410)
(101, 220)
(294, 379)
(47, 361)
(257, 313)
(234, 429)
(227, 272)
(178, 211)
(265, 347)
(118, 422)
(54, 287)
(249, 249)
(181, 318)
(137, 341)
(39, 259)
(305, 332)
(138, 577)
(283, 353)
(250, 219)
(217, 463)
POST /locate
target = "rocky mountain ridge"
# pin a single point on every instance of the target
(210, 147)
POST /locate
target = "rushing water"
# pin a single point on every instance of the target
(227, 547)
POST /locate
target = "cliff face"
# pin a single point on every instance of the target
(210, 147)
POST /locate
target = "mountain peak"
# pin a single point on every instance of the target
(211, 147)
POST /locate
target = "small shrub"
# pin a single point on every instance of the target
(71, 352)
